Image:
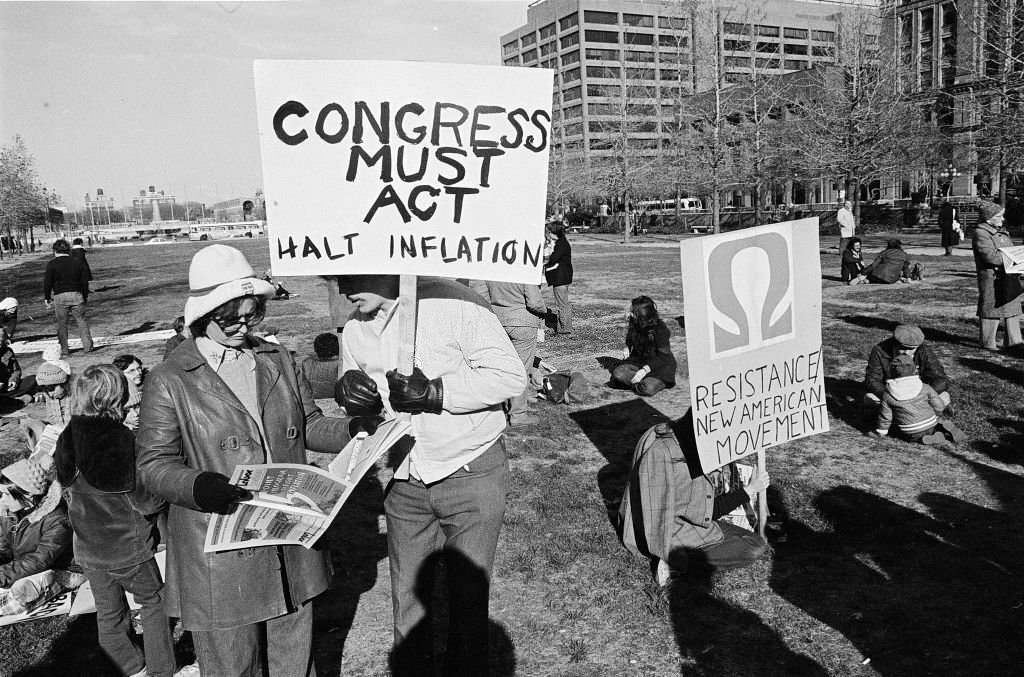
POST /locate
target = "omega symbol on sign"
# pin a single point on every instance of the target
(750, 293)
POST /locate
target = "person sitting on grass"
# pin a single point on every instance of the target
(35, 539)
(893, 265)
(906, 339)
(180, 334)
(853, 262)
(914, 406)
(114, 520)
(12, 385)
(321, 368)
(52, 386)
(672, 511)
(9, 315)
(135, 374)
(650, 366)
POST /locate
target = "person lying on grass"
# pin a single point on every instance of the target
(914, 406)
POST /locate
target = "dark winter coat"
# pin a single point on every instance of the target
(33, 543)
(946, 217)
(986, 241)
(78, 253)
(879, 368)
(658, 356)
(65, 274)
(853, 264)
(111, 513)
(558, 269)
(888, 267)
(192, 422)
(10, 370)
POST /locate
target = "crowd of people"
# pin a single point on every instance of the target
(145, 455)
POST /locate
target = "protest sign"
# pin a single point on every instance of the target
(753, 338)
(387, 167)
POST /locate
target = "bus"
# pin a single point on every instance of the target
(224, 231)
(668, 207)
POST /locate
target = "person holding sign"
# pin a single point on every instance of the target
(558, 272)
(672, 510)
(999, 292)
(224, 398)
(448, 492)
(650, 366)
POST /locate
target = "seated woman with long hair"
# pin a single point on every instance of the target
(649, 366)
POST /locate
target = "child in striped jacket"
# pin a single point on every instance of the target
(914, 407)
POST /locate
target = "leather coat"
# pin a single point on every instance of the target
(191, 422)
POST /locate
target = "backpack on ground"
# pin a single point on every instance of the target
(564, 387)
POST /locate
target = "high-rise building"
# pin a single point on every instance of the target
(622, 62)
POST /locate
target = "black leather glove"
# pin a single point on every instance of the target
(364, 424)
(214, 492)
(357, 392)
(415, 394)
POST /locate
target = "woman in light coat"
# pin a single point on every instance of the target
(993, 305)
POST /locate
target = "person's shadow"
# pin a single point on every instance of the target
(356, 546)
(442, 645)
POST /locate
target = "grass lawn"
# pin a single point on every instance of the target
(900, 559)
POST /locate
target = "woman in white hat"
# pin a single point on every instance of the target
(225, 397)
(9, 316)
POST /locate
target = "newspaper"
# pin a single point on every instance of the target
(294, 504)
(1013, 258)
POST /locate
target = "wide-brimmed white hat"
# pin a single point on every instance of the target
(9, 303)
(217, 274)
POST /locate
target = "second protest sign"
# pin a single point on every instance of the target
(376, 167)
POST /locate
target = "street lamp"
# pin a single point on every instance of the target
(948, 174)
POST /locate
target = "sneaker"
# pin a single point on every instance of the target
(933, 438)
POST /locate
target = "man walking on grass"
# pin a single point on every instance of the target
(66, 288)
(447, 498)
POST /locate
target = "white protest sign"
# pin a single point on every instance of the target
(389, 167)
(753, 338)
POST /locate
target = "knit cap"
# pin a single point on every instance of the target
(9, 303)
(28, 476)
(52, 373)
(903, 365)
(987, 209)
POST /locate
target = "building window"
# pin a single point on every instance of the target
(638, 20)
(548, 48)
(823, 36)
(669, 74)
(641, 92)
(514, 61)
(548, 31)
(736, 28)
(795, 48)
(797, 33)
(793, 65)
(600, 144)
(574, 111)
(736, 78)
(530, 55)
(556, 115)
(604, 90)
(669, 92)
(736, 45)
(637, 55)
(602, 36)
(639, 73)
(766, 63)
(768, 47)
(602, 54)
(571, 75)
(572, 93)
(741, 61)
(529, 39)
(510, 48)
(568, 21)
(597, 126)
(574, 129)
(673, 41)
(602, 109)
(770, 31)
(570, 40)
(594, 17)
(604, 72)
(677, 23)
(571, 57)
(638, 38)
(826, 50)
(549, 63)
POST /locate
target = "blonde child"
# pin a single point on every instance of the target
(113, 519)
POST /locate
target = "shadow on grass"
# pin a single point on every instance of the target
(930, 333)
(107, 287)
(142, 328)
(891, 578)
(614, 429)
(1010, 446)
(1012, 375)
(356, 546)
(843, 398)
(437, 645)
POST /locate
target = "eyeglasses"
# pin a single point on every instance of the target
(231, 325)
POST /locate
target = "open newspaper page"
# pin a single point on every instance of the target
(292, 503)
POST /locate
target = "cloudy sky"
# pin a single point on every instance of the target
(124, 95)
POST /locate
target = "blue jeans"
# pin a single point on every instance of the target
(285, 643)
(114, 623)
(456, 520)
(71, 303)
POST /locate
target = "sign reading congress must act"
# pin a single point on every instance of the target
(753, 337)
(404, 167)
